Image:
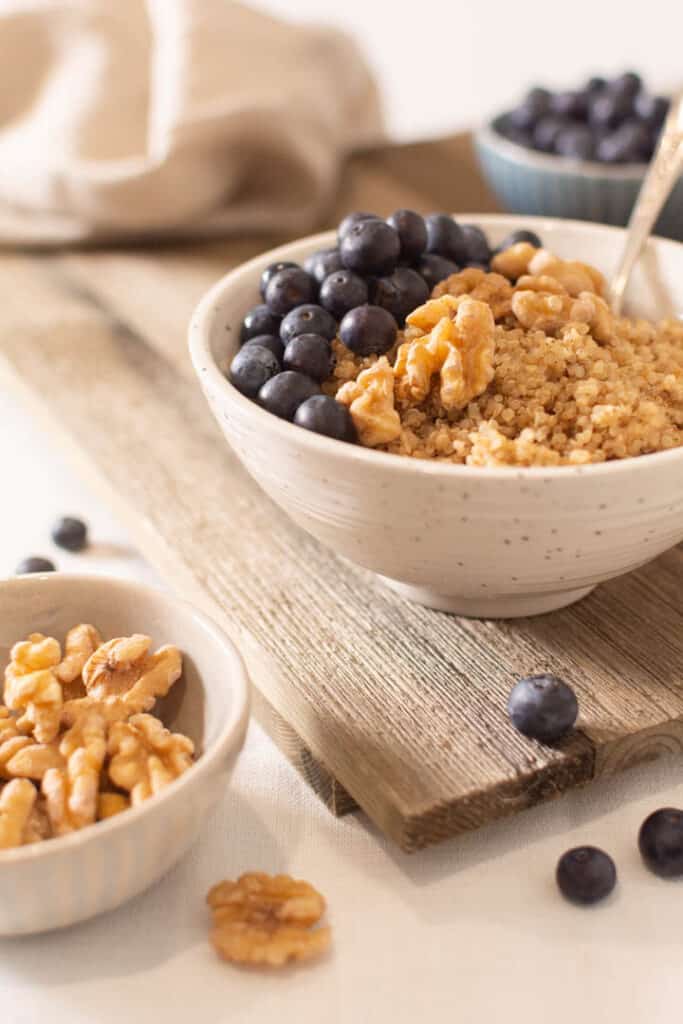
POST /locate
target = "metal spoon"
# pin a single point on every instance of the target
(664, 171)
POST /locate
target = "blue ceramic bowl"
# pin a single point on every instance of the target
(526, 181)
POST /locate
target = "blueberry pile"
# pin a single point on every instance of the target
(360, 291)
(613, 122)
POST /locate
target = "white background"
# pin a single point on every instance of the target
(472, 931)
(445, 64)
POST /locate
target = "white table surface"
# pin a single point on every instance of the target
(470, 931)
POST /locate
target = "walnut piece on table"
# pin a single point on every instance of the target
(17, 800)
(145, 757)
(31, 686)
(71, 794)
(265, 919)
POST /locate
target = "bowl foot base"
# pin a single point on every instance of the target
(513, 606)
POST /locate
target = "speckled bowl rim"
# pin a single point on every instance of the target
(488, 135)
(205, 365)
(216, 751)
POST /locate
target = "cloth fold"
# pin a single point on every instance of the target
(167, 118)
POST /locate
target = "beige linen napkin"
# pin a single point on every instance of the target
(132, 118)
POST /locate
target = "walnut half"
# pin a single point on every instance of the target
(266, 919)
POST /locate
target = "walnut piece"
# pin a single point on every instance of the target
(81, 641)
(111, 804)
(123, 679)
(575, 277)
(514, 261)
(31, 686)
(16, 804)
(71, 794)
(541, 311)
(370, 399)
(146, 757)
(494, 289)
(265, 919)
(20, 756)
(459, 348)
(38, 825)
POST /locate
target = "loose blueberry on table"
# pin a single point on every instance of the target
(586, 875)
(543, 707)
(613, 122)
(70, 533)
(35, 564)
(359, 292)
(660, 842)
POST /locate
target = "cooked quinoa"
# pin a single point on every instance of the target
(568, 383)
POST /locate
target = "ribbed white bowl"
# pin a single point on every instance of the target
(62, 881)
(484, 542)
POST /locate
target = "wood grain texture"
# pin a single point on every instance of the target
(393, 706)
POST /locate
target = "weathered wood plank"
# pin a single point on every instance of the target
(403, 706)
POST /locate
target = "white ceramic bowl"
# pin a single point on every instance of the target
(483, 542)
(62, 881)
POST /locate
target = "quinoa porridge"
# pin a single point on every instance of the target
(522, 366)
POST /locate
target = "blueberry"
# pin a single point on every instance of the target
(251, 368)
(571, 104)
(546, 132)
(596, 84)
(35, 564)
(660, 842)
(412, 233)
(308, 319)
(309, 354)
(652, 110)
(271, 271)
(608, 109)
(521, 236)
(446, 238)
(351, 220)
(283, 394)
(543, 707)
(370, 247)
(629, 84)
(269, 341)
(479, 266)
(400, 293)
(511, 131)
(586, 875)
(70, 533)
(324, 415)
(320, 264)
(535, 104)
(343, 291)
(576, 143)
(434, 268)
(368, 329)
(289, 288)
(259, 320)
(631, 143)
(478, 248)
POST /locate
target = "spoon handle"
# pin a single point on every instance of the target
(666, 167)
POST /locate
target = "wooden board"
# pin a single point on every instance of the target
(378, 703)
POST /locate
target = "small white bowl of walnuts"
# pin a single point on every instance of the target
(122, 713)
